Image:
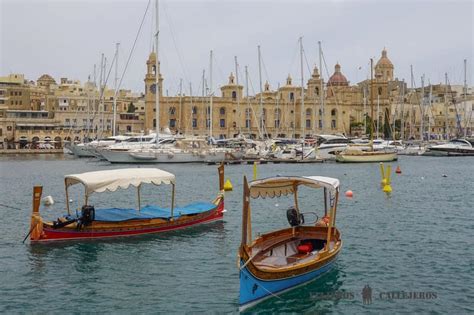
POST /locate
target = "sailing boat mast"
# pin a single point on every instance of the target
(446, 126)
(261, 92)
(372, 104)
(429, 108)
(157, 85)
(239, 112)
(114, 121)
(467, 121)
(412, 119)
(402, 118)
(247, 112)
(303, 125)
(422, 107)
(321, 87)
(211, 94)
(180, 116)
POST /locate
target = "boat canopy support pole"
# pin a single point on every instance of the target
(295, 188)
(172, 199)
(335, 207)
(67, 198)
(325, 201)
(245, 212)
(138, 197)
(86, 197)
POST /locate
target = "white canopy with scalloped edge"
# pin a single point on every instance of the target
(285, 185)
(111, 180)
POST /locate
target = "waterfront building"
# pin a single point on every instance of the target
(70, 111)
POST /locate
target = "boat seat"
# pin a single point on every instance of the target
(150, 212)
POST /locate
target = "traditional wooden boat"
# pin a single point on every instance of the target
(281, 260)
(356, 155)
(93, 223)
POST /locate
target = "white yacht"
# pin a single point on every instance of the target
(455, 147)
(180, 151)
(329, 145)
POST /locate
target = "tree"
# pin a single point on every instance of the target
(131, 108)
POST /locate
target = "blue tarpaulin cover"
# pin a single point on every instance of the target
(150, 212)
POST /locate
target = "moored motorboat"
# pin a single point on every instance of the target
(93, 223)
(283, 259)
(455, 147)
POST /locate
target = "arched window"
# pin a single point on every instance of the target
(234, 94)
(380, 90)
(222, 111)
(316, 90)
(264, 112)
(153, 69)
(333, 112)
(292, 96)
(172, 110)
(308, 112)
(208, 110)
(320, 112)
(195, 110)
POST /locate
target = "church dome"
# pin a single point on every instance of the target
(46, 80)
(337, 79)
(384, 61)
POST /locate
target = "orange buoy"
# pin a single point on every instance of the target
(349, 194)
(398, 170)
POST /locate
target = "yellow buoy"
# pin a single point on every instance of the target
(387, 188)
(228, 185)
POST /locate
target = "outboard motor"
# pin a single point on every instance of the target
(87, 215)
(294, 219)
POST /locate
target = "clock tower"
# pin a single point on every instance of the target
(150, 92)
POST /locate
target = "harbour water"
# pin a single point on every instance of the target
(413, 248)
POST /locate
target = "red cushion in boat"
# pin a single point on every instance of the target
(305, 248)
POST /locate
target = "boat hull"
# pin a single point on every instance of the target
(159, 157)
(254, 290)
(448, 152)
(366, 157)
(81, 151)
(100, 230)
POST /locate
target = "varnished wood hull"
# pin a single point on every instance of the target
(258, 284)
(367, 157)
(99, 230)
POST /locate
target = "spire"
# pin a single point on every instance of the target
(288, 80)
(267, 86)
(231, 78)
(315, 74)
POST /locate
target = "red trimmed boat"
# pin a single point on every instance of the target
(93, 223)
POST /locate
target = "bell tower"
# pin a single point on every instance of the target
(151, 90)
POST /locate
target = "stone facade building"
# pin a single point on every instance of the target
(70, 111)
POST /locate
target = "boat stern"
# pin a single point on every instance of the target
(36, 226)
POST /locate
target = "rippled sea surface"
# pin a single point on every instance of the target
(418, 240)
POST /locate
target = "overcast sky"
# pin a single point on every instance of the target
(66, 38)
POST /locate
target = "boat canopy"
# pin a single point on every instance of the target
(111, 180)
(285, 185)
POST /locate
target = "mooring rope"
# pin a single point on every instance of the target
(6, 206)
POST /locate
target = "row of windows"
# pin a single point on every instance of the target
(248, 123)
(15, 93)
(172, 111)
